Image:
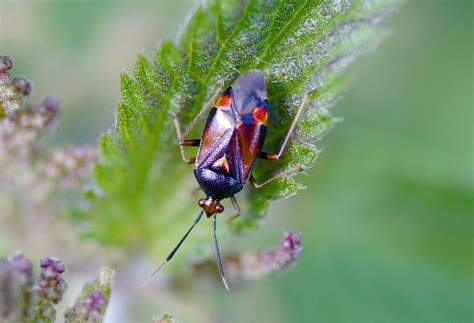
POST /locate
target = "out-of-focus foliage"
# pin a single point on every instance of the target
(37, 180)
(387, 218)
(301, 46)
(253, 265)
(387, 215)
(24, 167)
(24, 300)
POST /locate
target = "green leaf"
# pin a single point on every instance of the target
(109, 150)
(106, 178)
(301, 46)
(127, 122)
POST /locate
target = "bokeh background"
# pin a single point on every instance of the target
(387, 219)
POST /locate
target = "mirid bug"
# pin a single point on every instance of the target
(230, 144)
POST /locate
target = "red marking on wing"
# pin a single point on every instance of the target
(260, 116)
(222, 165)
(224, 101)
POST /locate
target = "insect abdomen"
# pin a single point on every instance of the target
(217, 185)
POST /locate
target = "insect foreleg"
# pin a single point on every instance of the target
(192, 142)
(204, 108)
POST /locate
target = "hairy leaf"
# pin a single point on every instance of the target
(301, 45)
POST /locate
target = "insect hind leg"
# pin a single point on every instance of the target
(299, 112)
(236, 206)
(272, 156)
(290, 171)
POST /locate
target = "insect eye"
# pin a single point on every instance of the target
(260, 116)
(219, 208)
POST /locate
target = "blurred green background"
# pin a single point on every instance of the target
(387, 219)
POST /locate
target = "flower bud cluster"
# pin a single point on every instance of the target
(280, 258)
(5, 289)
(12, 91)
(49, 288)
(23, 301)
(20, 129)
(16, 282)
(253, 265)
(23, 167)
(93, 307)
(68, 166)
(21, 269)
(90, 306)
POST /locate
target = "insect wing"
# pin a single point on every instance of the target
(249, 91)
(235, 130)
(217, 132)
(247, 143)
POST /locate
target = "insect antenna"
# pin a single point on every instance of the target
(170, 256)
(218, 254)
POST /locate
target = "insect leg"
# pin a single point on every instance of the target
(290, 171)
(235, 205)
(204, 108)
(236, 209)
(271, 156)
(218, 254)
(192, 142)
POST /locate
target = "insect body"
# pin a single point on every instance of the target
(232, 139)
(231, 143)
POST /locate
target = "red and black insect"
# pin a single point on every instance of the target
(230, 144)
